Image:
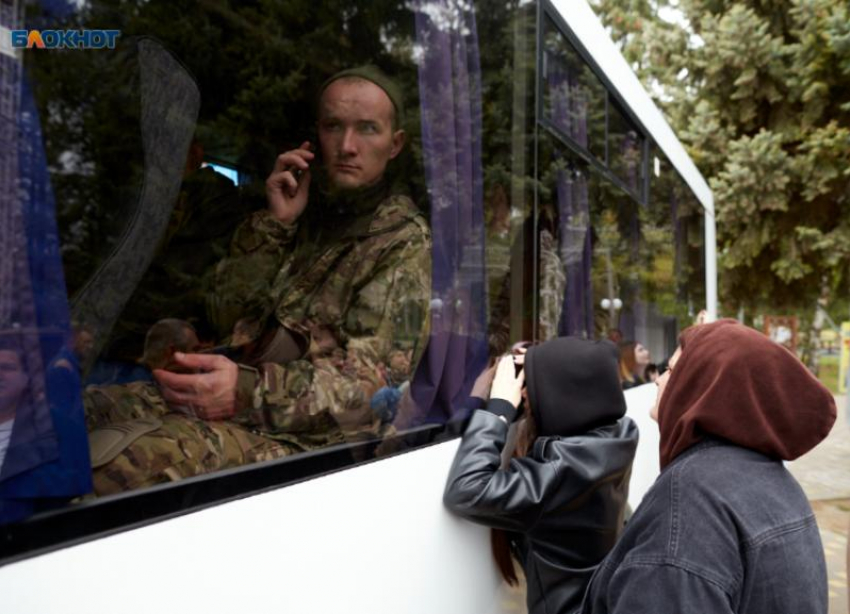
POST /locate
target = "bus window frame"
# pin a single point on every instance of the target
(547, 10)
(87, 520)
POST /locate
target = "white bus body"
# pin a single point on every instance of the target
(373, 538)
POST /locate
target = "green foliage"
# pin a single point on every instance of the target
(759, 92)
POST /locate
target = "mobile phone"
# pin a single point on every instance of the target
(517, 367)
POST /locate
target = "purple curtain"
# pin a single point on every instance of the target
(568, 110)
(450, 104)
(576, 255)
(47, 455)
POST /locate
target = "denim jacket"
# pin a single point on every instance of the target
(723, 529)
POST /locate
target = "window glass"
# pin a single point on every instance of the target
(565, 240)
(343, 297)
(349, 292)
(659, 273)
(610, 267)
(508, 76)
(625, 149)
(574, 100)
(667, 188)
(616, 249)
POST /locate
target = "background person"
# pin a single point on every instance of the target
(634, 358)
(562, 498)
(725, 528)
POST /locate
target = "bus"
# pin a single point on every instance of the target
(557, 199)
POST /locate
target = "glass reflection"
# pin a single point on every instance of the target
(350, 291)
(625, 149)
(574, 99)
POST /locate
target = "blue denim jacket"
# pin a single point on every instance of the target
(723, 529)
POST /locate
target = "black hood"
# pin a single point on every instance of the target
(573, 385)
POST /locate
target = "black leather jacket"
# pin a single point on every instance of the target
(565, 501)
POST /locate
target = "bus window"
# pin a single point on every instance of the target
(574, 99)
(228, 321)
(322, 317)
(625, 149)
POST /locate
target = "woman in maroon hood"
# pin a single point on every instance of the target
(725, 528)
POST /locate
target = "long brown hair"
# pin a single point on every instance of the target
(499, 540)
(628, 362)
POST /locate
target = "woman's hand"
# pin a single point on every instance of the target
(507, 384)
(483, 383)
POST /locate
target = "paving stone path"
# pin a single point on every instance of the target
(824, 474)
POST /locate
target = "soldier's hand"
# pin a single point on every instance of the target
(289, 183)
(209, 392)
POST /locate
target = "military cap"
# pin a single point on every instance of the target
(375, 75)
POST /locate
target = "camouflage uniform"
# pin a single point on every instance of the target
(553, 281)
(183, 446)
(357, 269)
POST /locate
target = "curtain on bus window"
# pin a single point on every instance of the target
(567, 95)
(450, 99)
(568, 111)
(576, 254)
(46, 457)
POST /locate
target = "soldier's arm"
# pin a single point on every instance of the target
(311, 398)
(261, 250)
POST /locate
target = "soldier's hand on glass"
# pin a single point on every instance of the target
(288, 185)
(209, 392)
(508, 383)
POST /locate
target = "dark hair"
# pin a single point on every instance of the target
(500, 540)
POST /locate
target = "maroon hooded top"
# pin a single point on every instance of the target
(733, 382)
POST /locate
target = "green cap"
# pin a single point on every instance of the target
(375, 75)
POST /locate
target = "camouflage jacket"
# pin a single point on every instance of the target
(354, 279)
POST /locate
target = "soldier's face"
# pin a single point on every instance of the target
(356, 133)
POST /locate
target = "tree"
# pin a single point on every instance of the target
(758, 91)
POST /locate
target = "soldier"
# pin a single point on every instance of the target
(312, 294)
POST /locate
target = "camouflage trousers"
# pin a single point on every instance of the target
(183, 446)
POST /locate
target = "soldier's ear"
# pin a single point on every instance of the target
(398, 143)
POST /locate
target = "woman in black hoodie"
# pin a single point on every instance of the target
(562, 501)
